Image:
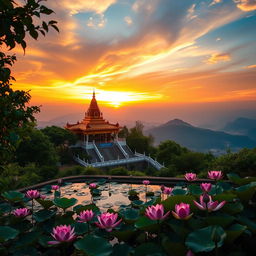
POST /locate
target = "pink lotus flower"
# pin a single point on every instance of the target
(62, 233)
(182, 211)
(156, 212)
(215, 175)
(43, 197)
(108, 221)
(206, 187)
(55, 187)
(167, 190)
(85, 216)
(190, 253)
(92, 185)
(146, 182)
(190, 176)
(21, 212)
(32, 194)
(207, 204)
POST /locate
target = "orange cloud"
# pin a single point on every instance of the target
(246, 5)
(251, 66)
(83, 6)
(218, 57)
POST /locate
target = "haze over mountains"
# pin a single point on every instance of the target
(200, 139)
(234, 135)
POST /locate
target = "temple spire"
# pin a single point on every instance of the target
(93, 95)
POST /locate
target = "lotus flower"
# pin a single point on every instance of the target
(206, 204)
(21, 212)
(146, 182)
(167, 190)
(85, 216)
(182, 211)
(108, 221)
(43, 197)
(190, 176)
(162, 187)
(190, 253)
(55, 187)
(156, 212)
(32, 194)
(92, 185)
(206, 187)
(62, 233)
(215, 175)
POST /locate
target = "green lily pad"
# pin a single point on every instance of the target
(195, 189)
(121, 249)
(221, 220)
(43, 215)
(148, 249)
(7, 233)
(45, 203)
(13, 196)
(202, 240)
(234, 232)
(145, 223)
(179, 191)
(130, 215)
(80, 228)
(64, 203)
(246, 192)
(94, 246)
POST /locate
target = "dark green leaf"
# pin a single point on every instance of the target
(64, 203)
(94, 246)
(203, 240)
(7, 233)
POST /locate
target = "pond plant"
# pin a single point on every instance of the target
(216, 218)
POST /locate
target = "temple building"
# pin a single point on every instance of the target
(93, 128)
(99, 139)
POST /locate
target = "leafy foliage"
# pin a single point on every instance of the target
(16, 21)
(228, 231)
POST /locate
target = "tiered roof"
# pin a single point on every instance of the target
(93, 121)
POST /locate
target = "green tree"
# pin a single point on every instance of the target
(16, 21)
(59, 136)
(242, 162)
(136, 140)
(167, 152)
(36, 148)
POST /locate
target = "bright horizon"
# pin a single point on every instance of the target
(193, 60)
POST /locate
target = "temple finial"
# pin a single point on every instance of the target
(93, 95)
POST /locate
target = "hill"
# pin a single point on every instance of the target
(199, 139)
(242, 125)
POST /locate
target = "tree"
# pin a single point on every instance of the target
(36, 148)
(136, 140)
(16, 21)
(59, 136)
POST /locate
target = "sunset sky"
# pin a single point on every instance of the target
(152, 60)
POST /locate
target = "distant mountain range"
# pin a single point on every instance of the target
(243, 126)
(199, 139)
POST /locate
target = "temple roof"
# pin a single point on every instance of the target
(93, 121)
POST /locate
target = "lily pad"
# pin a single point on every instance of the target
(203, 240)
(13, 196)
(7, 233)
(64, 203)
(94, 246)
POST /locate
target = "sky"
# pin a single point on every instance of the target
(150, 60)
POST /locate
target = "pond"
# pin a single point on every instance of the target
(111, 194)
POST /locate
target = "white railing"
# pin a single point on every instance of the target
(121, 149)
(138, 158)
(98, 152)
(149, 159)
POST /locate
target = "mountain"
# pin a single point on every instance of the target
(199, 139)
(242, 125)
